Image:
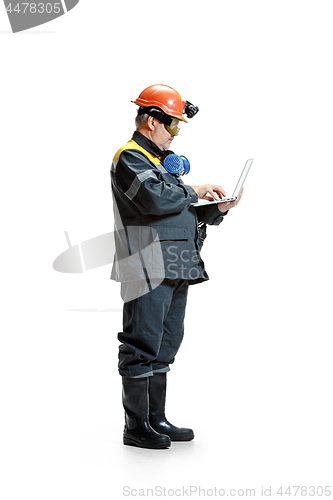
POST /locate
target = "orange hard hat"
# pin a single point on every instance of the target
(164, 97)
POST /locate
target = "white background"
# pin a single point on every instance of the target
(254, 374)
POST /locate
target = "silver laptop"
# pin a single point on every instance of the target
(237, 189)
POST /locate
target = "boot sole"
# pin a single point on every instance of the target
(151, 446)
(176, 438)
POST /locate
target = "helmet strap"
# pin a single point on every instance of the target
(156, 113)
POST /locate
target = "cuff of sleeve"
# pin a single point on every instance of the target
(219, 218)
(193, 195)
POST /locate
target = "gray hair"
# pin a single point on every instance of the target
(141, 119)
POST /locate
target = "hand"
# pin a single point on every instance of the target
(224, 207)
(214, 191)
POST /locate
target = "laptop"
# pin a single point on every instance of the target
(237, 189)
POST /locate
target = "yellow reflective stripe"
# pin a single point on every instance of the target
(133, 145)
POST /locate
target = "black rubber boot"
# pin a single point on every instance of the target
(157, 419)
(137, 431)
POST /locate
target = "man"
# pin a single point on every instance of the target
(158, 239)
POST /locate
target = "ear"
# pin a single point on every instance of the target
(151, 123)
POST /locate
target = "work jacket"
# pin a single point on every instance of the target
(158, 232)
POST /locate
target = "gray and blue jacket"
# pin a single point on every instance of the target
(158, 232)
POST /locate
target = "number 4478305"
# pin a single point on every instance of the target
(33, 8)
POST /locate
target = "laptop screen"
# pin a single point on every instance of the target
(242, 178)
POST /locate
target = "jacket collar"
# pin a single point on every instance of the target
(146, 143)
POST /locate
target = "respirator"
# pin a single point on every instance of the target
(176, 165)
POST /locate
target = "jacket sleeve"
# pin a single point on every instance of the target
(142, 183)
(210, 214)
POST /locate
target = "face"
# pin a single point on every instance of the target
(160, 136)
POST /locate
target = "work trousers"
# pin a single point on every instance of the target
(153, 329)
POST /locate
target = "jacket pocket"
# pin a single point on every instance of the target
(170, 233)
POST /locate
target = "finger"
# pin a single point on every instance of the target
(240, 194)
(234, 203)
(219, 190)
(213, 194)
